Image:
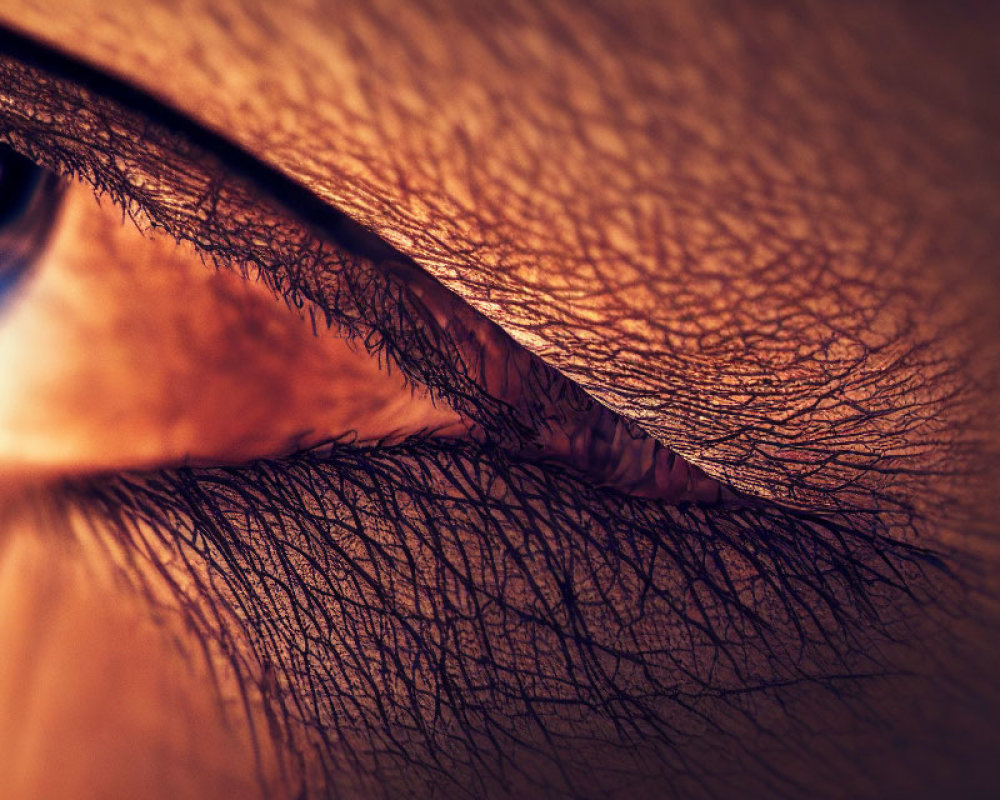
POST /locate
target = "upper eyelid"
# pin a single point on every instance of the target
(169, 173)
(242, 214)
(208, 144)
(224, 202)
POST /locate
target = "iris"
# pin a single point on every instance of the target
(29, 198)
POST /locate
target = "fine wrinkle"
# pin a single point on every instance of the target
(445, 613)
(368, 292)
(751, 218)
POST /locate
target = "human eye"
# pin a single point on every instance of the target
(353, 282)
(474, 610)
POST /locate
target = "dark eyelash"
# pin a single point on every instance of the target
(334, 268)
(331, 268)
(399, 580)
(776, 595)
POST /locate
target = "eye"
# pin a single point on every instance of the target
(333, 271)
(28, 201)
(511, 602)
(126, 350)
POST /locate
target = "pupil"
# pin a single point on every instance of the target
(28, 199)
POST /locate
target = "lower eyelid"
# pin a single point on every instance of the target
(445, 568)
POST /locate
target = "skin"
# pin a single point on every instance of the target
(767, 238)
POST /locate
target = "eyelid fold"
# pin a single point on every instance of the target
(124, 351)
(329, 267)
(379, 302)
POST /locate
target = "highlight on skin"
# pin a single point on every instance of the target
(131, 352)
(496, 596)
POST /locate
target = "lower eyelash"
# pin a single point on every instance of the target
(431, 594)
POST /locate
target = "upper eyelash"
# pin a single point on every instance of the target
(324, 263)
(222, 201)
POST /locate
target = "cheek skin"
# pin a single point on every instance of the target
(103, 692)
(127, 351)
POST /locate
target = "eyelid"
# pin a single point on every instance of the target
(219, 200)
(322, 262)
(224, 203)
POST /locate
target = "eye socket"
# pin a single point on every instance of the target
(702, 538)
(29, 199)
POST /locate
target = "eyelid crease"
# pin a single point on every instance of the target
(96, 83)
(222, 204)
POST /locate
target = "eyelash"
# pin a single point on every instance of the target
(830, 578)
(163, 180)
(421, 548)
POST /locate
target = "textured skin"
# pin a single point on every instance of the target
(767, 236)
(445, 622)
(731, 229)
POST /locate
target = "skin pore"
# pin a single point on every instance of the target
(765, 237)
